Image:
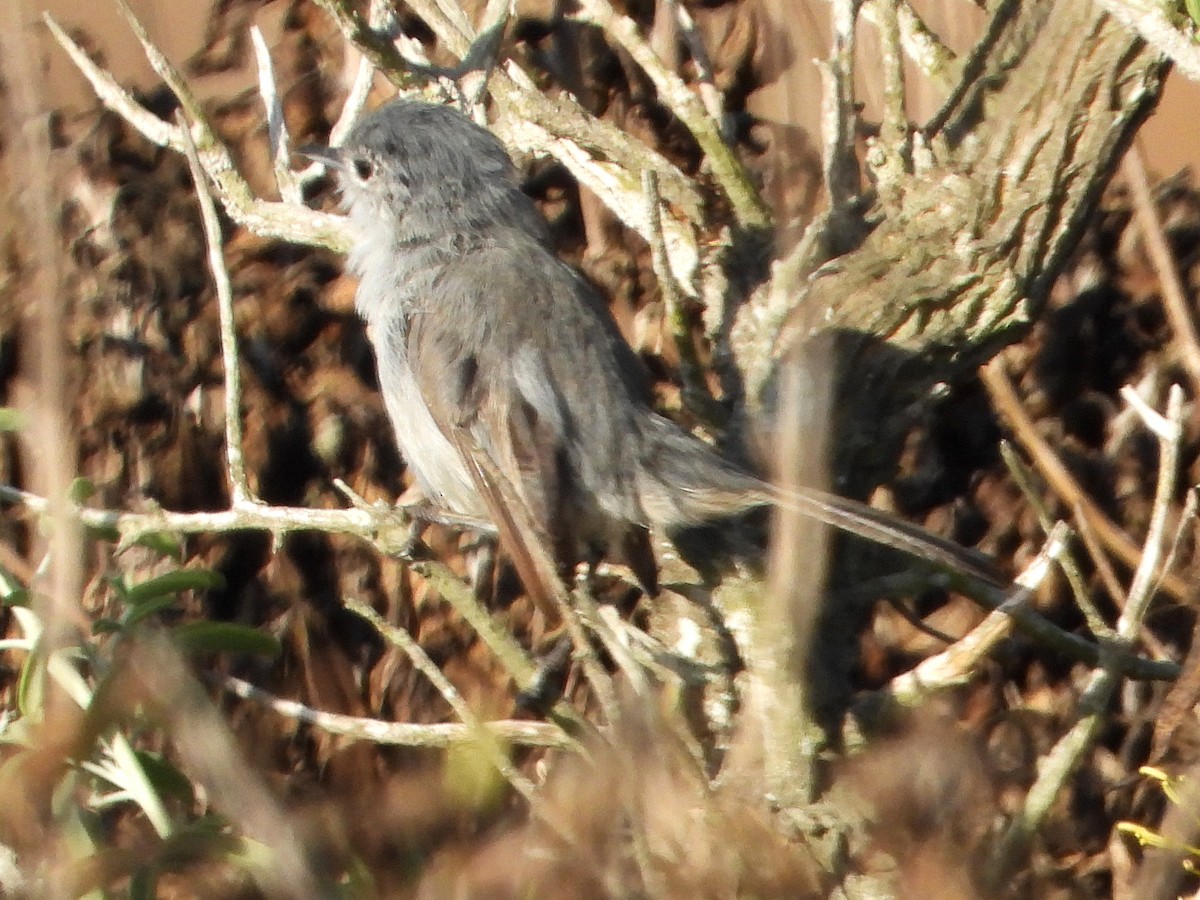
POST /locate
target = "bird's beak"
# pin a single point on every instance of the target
(330, 156)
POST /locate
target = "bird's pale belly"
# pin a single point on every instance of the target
(433, 460)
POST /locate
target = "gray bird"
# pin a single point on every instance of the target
(513, 395)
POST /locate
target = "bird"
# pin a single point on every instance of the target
(513, 395)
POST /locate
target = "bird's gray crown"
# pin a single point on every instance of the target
(426, 187)
(424, 171)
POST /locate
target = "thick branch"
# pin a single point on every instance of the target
(961, 266)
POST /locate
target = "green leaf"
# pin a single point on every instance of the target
(174, 582)
(31, 685)
(106, 626)
(81, 490)
(1193, 10)
(469, 772)
(11, 419)
(164, 543)
(224, 637)
(164, 777)
(18, 597)
(107, 533)
(142, 611)
(10, 585)
(143, 884)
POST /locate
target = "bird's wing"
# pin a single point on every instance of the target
(470, 363)
(523, 367)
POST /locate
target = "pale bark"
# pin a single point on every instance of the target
(962, 260)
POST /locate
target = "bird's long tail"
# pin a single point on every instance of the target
(685, 483)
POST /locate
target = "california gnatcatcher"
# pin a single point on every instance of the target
(513, 395)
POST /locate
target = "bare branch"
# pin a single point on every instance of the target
(403, 734)
(839, 118)
(696, 395)
(1054, 769)
(601, 157)
(238, 485)
(1023, 477)
(921, 45)
(959, 663)
(1175, 301)
(887, 157)
(376, 47)
(387, 528)
(709, 95)
(1060, 480)
(277, 132)
(112, 95)
(748, 206)
(286, 221)
(1141, 590)
(403, 641)
(1150, 20)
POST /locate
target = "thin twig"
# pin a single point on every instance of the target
(839, 117)
(239, 487)
(403, 641)
(356, 99)
(600, 156)
(511, 656)
(1024, 478)
(706, 82)
(1057, 476)
(388, 530)
(133, 526)
(481, 60)
(1099, 557)
(1152, 21)
(159, 62)
(1177, 304)
(1141, 591)
(278, 220)
(558, 126)
(376, 47)
(673, 92)
(908, 613)
(891, 149)
(1151, 420)
(1187, 521)
(1055, 768)
(591, 617)
(403, 734)
(695, 392)
(959, 663)
(658, 254)
(379, 13)
(920, 44)
(112, 95)
(277, 132)
(462, 598)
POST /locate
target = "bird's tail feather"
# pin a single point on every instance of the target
(687, 483)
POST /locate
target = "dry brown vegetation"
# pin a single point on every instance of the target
(778, 733)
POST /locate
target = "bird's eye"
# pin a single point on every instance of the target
(363, 168)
